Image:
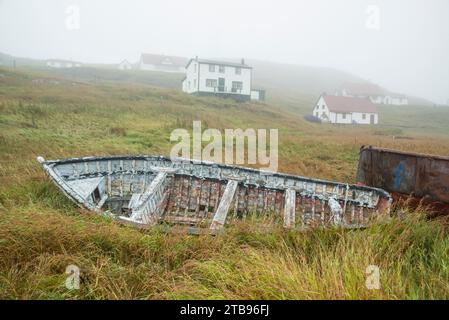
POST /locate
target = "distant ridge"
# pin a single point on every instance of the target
(281, 80)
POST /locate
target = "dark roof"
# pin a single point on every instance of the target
(349, 104)
(218, 62)
(163, 60)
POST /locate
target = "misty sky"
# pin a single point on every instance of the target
(400, 44)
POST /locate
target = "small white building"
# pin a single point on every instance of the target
(125, 65)
(396, 100)
(163, 63)
(220, 78)
(374, 92)
(346, 110)
(57, 63)
(258, 94)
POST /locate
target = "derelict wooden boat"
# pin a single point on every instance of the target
(146, 190)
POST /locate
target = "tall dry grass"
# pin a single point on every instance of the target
(118, 262)
(41, 232)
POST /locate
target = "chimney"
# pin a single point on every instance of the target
(196, 58)
(243, 61)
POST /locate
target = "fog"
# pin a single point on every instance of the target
(402, 45)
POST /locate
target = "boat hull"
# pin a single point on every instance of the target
(146, 190)
(423, 179)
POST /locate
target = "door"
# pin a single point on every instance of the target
(221, 84)
(371, 119)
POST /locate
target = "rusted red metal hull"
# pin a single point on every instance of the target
(424, 178)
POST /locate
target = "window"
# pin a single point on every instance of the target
(343, 115)
(238, 70)
(237, 86)
(211, 83)
(211, 68)
(363, 116)
(221, 69)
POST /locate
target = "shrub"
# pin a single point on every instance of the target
(312, 118)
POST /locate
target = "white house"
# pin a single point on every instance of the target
(221, 78)
(156, 62)
(57, 63)
(374, 92)
(346, 110)
(125, 65)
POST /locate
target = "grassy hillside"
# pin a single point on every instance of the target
(292, 85)
(41, 232)
(102, 75)
(301, 79)
(416, 119)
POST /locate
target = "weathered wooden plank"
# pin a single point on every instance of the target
(223, 208)
(135, 200)
(101, 202)
(289, 208)
(182, 220)
(336, 210)
(148, 207)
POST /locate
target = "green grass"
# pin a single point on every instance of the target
(102, 75)
(41, 231)
(118, 262)
(417, 119)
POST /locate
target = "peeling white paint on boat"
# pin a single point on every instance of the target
(146, 190)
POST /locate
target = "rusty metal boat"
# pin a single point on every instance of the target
(419, 178)
(148, 190)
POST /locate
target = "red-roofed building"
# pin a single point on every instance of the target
(157, 62)
(346, 110)
(375, 93)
